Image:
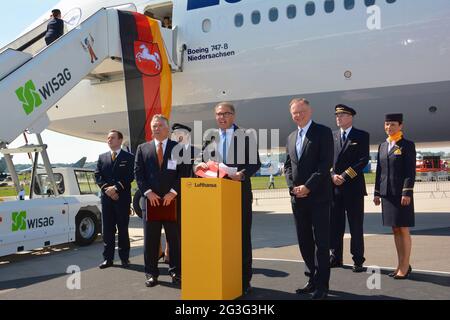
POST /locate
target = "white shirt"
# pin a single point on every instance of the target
(164, 142)
(116, 151)
(229, 136)
(301, 139)
(391, 144)
(347, 132)
(164, 145)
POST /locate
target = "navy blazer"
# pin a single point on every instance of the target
(118, 173)
(396, 169)
(55, 29)
(241, 159)
(313, 167)
(150, 176)
(350, 161)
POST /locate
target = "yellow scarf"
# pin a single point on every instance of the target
(395, 137)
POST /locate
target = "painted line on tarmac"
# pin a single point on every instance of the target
(350, 265)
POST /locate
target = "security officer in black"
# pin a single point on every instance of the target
(351, 155)
(114, 174)
(187, 153)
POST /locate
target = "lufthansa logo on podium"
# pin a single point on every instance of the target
(189, 184)
(205, 185)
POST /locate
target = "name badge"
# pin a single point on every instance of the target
(172, 165)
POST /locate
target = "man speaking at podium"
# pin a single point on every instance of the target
(236, 148)
(158, 178)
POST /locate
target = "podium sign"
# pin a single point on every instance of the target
(211, 239)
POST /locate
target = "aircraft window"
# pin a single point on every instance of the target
(273, 14)
(291, 11)
(238, 20)
(369, 2)
(329, 6)
(206, 25)
(310, 8)
(349, 4)
(390, 1)
(256, 17)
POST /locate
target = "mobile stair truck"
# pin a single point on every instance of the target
(63, 204)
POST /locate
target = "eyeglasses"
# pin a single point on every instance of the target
(224, 114)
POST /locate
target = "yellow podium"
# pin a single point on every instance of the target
(211, 254)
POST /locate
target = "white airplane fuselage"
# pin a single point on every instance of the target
(328, 58)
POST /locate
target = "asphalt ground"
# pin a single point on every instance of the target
(278, 269)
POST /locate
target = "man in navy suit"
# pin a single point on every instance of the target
(237, 148)
(55, 27)
(309, 159)
(114, 175)
(158, 178)
(351, 155)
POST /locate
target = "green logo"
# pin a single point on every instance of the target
(29, 97)
(19, 221)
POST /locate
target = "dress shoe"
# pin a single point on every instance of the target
(336, 264)
(319, 294)
(397, 277)
(106, 264)
(357, 268)
(308, 288)
(392, 274)
(151, 281)
(176, 279)
(247, 290)
(126, 263)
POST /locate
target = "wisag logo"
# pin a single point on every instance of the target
(29, 97)
(19, 221)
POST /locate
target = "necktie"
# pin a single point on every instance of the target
(160, 154)
(343, 139)
(299, 144)
(224, 146)
(114, 156)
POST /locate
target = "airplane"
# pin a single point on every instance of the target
(378, 56)
(78, 164)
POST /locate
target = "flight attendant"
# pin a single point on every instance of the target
(394, 184)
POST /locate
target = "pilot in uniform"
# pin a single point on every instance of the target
(351, 155)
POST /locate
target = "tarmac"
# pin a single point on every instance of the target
(278, 268)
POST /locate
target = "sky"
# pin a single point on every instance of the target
(15, 16)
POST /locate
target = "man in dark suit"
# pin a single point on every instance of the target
(237, 148)
(307, 168)
(351, 155)
(158, 178)
(55, 27)
(114, 175)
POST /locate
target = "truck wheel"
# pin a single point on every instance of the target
(136, 206)
(86, 228)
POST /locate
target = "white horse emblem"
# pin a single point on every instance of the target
(145, 54)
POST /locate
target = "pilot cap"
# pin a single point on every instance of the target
(177, 126)
(342, 108)
(398, 117)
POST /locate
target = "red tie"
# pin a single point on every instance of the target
(160, 154)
